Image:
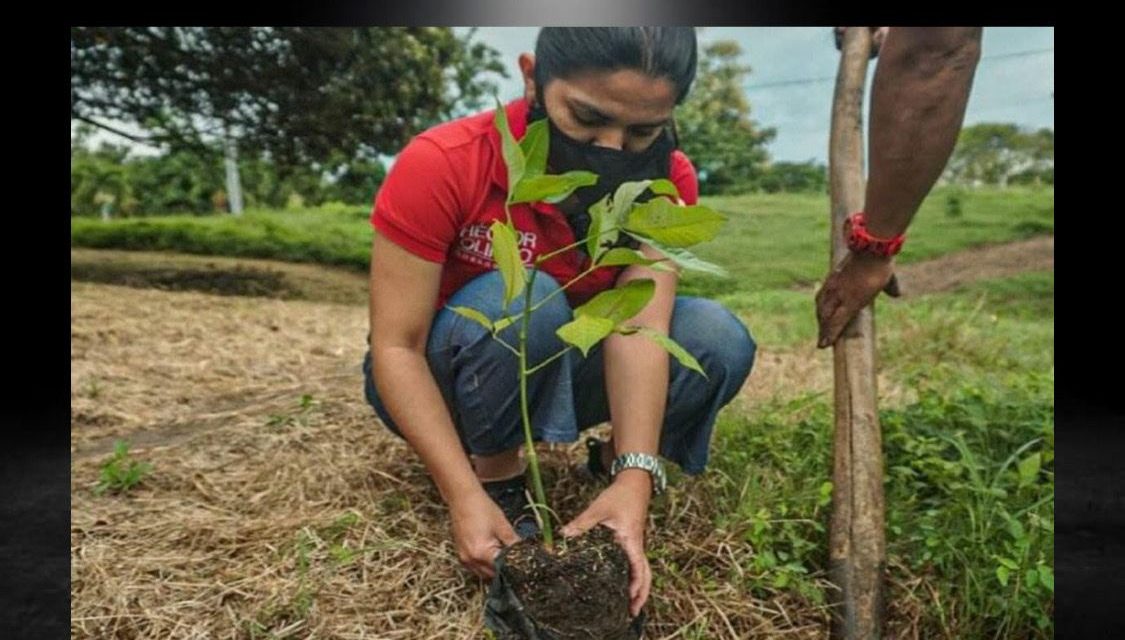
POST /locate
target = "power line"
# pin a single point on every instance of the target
(804, 81)
(1018, 54)
(787, 83)
(972, 111)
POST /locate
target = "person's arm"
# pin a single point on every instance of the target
(918, 100)
(416, 217)
(637, 369)
(403, 290)
(636, 373)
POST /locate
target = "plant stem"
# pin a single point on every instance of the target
(547, 256)
(540, 505)
(546, 298)
(548, 361)
(507, 346)
(562, 288)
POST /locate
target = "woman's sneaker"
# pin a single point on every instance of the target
(511, 495)
(595, 466)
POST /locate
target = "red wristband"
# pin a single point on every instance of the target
(861, 241)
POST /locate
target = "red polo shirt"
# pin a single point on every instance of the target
(449, 185)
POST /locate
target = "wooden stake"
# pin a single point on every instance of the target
(857, 546)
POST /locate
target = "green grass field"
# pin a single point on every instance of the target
(776, 241)
(771, 241)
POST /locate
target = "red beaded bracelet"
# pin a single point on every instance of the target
(860, 240)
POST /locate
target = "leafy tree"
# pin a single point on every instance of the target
(184, 182)
(357, 182)
(299, 95)
(306, 100)
(1000, 154)
(714, 125)
(98, 179)
(804, 177)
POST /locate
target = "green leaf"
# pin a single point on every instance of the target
(1015, 529)
(825, 493)
(683, 257)
(1002, 574)
(1031, 577)
(474, 315)
(1047, 577)
(513, 155)
(674, 225)
(585, 331)
(1029, 469)
(625, 196)
(1008, 563)
(503, 323)
(550, 188)
(674, 349)
(534, 147)
(620, 303)
(622, 256)
(506, 254)
(600, 222)
(664, 187)
(769, 560)
(341, 554)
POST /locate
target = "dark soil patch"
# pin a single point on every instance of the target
(220, 275)
(581, 592)
(240, 281)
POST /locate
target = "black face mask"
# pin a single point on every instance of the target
(613, 167)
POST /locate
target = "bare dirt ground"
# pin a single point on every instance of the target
(278, 507)
(996, 261)
(981, 263)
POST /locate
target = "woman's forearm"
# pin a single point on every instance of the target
(636, 374)
(411, 396)
(637, 369)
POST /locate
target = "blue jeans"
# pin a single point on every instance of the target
(479, 378)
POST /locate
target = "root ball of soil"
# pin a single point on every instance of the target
(578, 592)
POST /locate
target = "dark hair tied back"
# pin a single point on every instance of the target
(660, 52)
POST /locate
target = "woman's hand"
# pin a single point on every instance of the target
(623, 508)
(480, 531)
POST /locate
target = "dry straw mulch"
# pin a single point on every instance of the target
(263, 518)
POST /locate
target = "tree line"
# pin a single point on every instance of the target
(286, 116)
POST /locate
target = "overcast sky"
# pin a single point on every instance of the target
(1014, 82)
